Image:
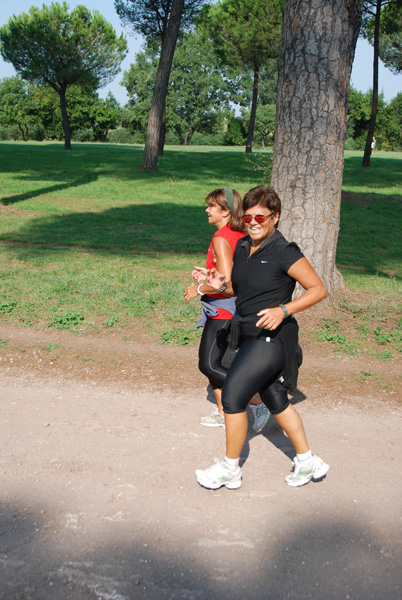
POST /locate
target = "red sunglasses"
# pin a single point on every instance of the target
(258, 218)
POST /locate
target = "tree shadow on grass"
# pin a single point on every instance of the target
(369, 237)
(138, 228)
(88, 178)
(51, 162)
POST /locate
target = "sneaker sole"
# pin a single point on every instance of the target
(230, 485)
(319, 476)
(212, 425)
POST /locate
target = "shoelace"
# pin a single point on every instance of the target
(259, 410)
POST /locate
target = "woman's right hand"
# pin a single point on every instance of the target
(216, 279)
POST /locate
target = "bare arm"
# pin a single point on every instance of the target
(303, 273)
(224, 262)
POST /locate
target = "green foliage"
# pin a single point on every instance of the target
(197, 87)
(370, 377)
(208, 139)
(54, 47)
(120, 136)
(50, 45)
(330, 333)
(197, 90)
(363, 334)
(236, 132)
(111, 322)
(32, 111)
(180, 336)
(265, 121)
(66, 319)
(17, 106)
(390, 35)
(83, 135)
(7, 306)
(244, 32)
(392, 123)
(262, 164)
(150, 17)
(105, 115)
(388, 131)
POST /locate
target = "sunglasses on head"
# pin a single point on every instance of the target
(258, 218)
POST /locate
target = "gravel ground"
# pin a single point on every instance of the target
(98, 498)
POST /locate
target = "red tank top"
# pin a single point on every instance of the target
(232, 237)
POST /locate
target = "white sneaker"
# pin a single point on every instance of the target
(303, 472)
(261, 416)
(219, 474)
(213, 420)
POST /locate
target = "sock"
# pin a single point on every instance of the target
(305, 455)
(232, 462)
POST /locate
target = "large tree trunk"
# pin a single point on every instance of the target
(151, 150)
(317, 50)
(374, 100)
(251, 125)
(66, 120)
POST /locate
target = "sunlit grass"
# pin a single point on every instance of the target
(88, 232)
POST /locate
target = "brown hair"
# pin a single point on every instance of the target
(266, 196)
(218, 197)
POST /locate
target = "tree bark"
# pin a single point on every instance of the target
(151, 150)
(66, 120)
(374, 100)
(317, 51)
(251, 125)
(190, 134)
(162, 134)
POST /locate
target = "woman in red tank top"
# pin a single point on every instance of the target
(224, 210)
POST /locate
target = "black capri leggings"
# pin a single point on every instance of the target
(212, 347)
(256, 368)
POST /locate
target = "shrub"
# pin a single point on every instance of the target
(171, 139)
(235, 135)
(83, 135)
(208, 139)
(350, 144)
(120, 136)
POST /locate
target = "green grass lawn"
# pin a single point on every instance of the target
(89, 241)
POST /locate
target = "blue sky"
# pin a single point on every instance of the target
(362, 72)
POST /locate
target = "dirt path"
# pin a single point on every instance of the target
(99, 501)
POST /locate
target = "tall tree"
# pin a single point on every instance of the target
(317, 50)
(58, 48)
(157, 114)
(246, 33)
(162, 19)
(197, 85)
(374, 31)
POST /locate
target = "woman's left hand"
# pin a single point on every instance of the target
(191, 292)
(271, 318)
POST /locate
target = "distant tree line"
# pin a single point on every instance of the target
(221, 87)
(202, 115)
